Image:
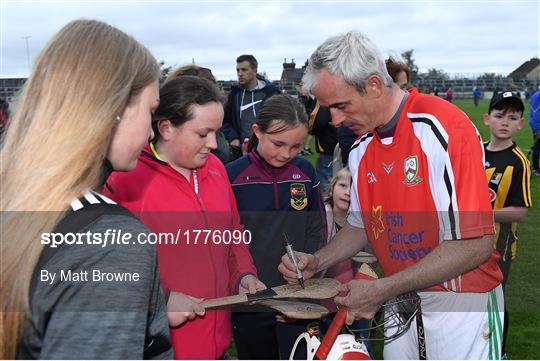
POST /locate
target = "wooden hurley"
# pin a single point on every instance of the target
(318, 289)
(296, 310)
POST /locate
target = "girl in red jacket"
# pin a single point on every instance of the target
(180, 190)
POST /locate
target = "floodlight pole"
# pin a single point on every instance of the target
(27, 51)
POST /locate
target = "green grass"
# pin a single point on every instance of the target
(522, 291)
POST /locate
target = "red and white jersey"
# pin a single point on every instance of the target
(425, 187)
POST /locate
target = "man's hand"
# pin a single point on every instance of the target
(250, 284)
(363, 300)
(235, 142)
(345, 244)
(307, 263)
(182, 308)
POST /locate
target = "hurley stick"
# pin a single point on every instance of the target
(318, 289)
(296, 310)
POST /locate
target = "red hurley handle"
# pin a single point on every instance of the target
(341, 316)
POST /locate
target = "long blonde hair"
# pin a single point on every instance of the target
(56, 143)
(330, 192)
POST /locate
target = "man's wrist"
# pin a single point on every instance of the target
(387, 288)
(317, 259)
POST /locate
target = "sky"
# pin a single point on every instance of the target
(460, 37)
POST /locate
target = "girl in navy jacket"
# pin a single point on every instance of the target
(276, 193)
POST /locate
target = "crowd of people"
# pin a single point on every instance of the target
(401, 174)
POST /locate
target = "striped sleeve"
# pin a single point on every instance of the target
(358, 150)
(519, 194)
(456, 177)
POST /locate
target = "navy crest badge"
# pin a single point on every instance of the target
(298, 196)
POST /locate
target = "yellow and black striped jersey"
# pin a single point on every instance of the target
(508, 173)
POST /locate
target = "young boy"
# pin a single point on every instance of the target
(508, 173)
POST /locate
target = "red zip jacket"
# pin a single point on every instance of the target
(203, 267)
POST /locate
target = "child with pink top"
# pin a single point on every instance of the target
(337, 205)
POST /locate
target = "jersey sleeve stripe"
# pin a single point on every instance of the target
(361, 140)
(91, 198)
(433, 139)
(504, 187)
(105, 198)
(489, 173)
(451, 215)
(355, 156)
(436, 132)
(526, 177)
(76, 205)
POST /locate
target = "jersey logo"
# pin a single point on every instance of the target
(298, 196)
(377, 225)
(388, 167)
(411, 171)
(252, 177)
(371, 178)
(244, 107)
(496, 178)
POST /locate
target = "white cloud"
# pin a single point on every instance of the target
(457, 36)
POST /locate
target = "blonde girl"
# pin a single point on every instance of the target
(84, 110)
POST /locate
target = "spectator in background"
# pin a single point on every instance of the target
(527, 93)
(450, 95)
(320, 126)
(193, 70)
(534, 122)
(346, 138)
(399, 72)
(509, 179)
(222, 151)
(243, 103)
(336, 204)
(4, 114)
(476, 94)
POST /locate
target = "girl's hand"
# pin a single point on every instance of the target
(182, 308)
(250, 284)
